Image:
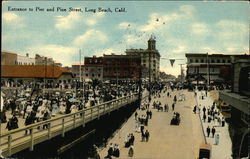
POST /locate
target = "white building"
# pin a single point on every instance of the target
(150, 60)
(25, 60)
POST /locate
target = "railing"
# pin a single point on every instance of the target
(15, 140)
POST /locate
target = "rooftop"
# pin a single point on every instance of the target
(215, 55)
(32, 71)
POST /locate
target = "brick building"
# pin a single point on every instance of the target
(122, 67)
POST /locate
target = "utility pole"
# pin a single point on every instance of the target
(80, 69)
(208, 73)
(182, 74)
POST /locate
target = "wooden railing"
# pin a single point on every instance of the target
(15, 140)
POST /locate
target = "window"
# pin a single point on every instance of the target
(212, 61)
(229, 61)
(99, 75)
(87, 75)
(202, 61)
(223, 61)
(93, 75)
(191, 60)
(218, 60)
(196, 60)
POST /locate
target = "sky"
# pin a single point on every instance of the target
(179, 27)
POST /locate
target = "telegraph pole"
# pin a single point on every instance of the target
(182, 74)
(80, 69)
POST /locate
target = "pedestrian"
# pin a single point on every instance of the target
(173, 107)
(29, 120)
(147, 135)
(116, 152)
(194, 110)
(223, 122)
(146, 121)
(142, 128)
(208, 131)
(219, 121)
(204, 117)
(217, 139)
(150, 114)
(204, 109)
(132, 139)
(110, 150)
(142, 136)
(46, 116)
(9, 126)
(136, 115)
(213, 131)
(131, 151)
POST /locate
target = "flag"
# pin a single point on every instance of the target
(172, 62)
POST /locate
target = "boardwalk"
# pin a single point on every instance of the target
(14, 141)
(166, 141)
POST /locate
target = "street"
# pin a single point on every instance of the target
(165, 141)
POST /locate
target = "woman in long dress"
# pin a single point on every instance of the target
(131, 151)
(55, 109)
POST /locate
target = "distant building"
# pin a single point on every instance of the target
(91, 72)
(208, 67)
(93, 60)
(25, 60)
(8, 58)
(28, 73)
(88, 72)
(11, 58)
(42, 60)
(75, 69)
(150, 60)
(121, 67)
(238, 99)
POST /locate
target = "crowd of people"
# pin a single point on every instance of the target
(33, 103)
(211, 116)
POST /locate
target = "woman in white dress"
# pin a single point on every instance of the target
(55, 109)
(73, 108)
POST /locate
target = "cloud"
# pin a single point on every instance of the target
(12, 20)
(74, 18)
(200, 28)
(90, 38)
(67, 22)
(181, 49)
(62, 54)
(91, 21)
(9, 17)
